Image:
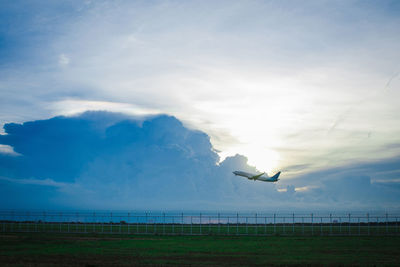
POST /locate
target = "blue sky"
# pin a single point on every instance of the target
(307, 88)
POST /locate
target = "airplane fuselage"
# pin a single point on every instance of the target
(260, 177)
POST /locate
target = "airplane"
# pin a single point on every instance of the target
(260, 177)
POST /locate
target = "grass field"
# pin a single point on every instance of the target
(53, 249)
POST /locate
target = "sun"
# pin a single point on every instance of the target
(265, 160)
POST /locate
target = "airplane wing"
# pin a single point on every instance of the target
(255, 177)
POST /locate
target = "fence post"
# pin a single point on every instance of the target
(35, 219)
(200, 224)
(163, 223)
(387, 224)
(191, 224)
(18, 222)
(182, 224)
(6, 222)
(265, 225)
(247, 226)
(368, 222)
(31, 220)
(377, 225)
(84, 224)
(129, 223)
(20, 219)
(320, 227)
(293, 224)
(219, 226)
(330, 222)
(54, 222)
(10, 222)
(94, 222)
(111, 223)
(312, 224)
(102, 222)
(302, 225)
(173, 224)
(24, 221)
(155, 224)
(284, 224)
(359, 226)
(60, 221)
(209, 224)
(44, 221)
(137, 222)
(255, 217)
(274, 223)
(146, 223)
(228, 226)
(237, 223)
(349, 225)
(120, 224)
(137, 219)
(76, 222)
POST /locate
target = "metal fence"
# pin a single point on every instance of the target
(157, 223)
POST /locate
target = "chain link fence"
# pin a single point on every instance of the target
(157, 223)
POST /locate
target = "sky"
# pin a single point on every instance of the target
(147, 102)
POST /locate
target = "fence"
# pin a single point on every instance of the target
(199, 223)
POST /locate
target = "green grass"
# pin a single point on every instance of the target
(50, 249)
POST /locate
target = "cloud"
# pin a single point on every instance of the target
(357, 186)
(6, 149)
(106, 160)
(76, 106)
(249, 74)
(117, 159)
(63, 60)
(45, 182)
(304, 188)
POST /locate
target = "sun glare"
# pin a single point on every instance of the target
(264, 160)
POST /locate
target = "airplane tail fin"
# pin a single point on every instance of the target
(275, 177)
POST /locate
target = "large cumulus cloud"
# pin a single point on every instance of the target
(107, 160)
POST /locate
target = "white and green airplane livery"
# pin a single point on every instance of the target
(260, 177)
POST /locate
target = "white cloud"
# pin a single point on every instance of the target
(63, 60)
(44, 182)
(76, 106)
(6, 149)
(305, 188)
